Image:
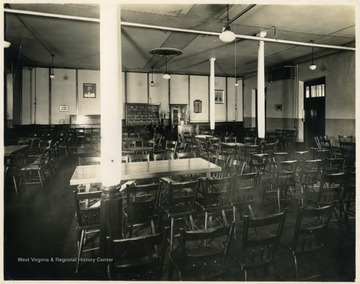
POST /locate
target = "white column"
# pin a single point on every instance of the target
(212, 93)
(110, 86)
(261, 88)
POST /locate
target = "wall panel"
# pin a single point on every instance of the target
(179, 89)
(199, 90)
(41, 96)
(63, 93)
(137, 85)
(221, 109)
(159, 94)
(88, 105)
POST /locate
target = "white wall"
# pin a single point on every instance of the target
(66, 89)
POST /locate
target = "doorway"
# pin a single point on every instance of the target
(314, 107)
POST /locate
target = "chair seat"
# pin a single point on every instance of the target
(137, 262)
(198, 269)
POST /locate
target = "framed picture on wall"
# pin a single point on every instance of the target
(89, 90)
(219, 96)
(63, 108)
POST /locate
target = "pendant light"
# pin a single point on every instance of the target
(227, 35)
(312, 67)
(236, 82)
(166, 52)
(166, 76)
(52, 75)
(152, 84)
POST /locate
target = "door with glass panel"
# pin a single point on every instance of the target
(314, 106)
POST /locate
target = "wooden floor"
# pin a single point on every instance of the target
(40, 237)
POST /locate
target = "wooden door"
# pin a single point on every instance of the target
(314, 106)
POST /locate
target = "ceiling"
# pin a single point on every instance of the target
(75, 42)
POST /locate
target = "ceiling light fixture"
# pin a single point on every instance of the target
(236, 82)
(52, 75)
(152, 84)
(312, 67)
(166, 52)
(227, 35)
(166, 76)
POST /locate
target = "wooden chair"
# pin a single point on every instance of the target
(250, 140)
(349, 197)
(346, 138)
(236, 166)
(230, 139)
(325, 144)
(177, 205)
(331, 192)
(139, 158)
(83, 161)
(134, 135)
(141, 207)
(138, 258)
(171, 146)
(87, 208)
(333, 165)
(202, 254)
(214, 199)
(259, 243)
(36, 172)
(185, 155)
(243, 192)
(308, 175)
(282, 183)
(309, 239)
(162, 156)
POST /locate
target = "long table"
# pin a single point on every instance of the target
(11, 149)
(143, 170)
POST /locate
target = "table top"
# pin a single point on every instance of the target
(11, 149)
(203, 136)
(232, 144)
(144, 170)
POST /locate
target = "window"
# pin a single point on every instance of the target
(316, 89)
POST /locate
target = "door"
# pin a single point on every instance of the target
(314, 106)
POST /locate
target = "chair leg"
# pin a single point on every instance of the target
(15, 185)
(296, 267)
(321, 266)
(40, 178)
(272, 271)
(170, 271)
(279, 199)
(81, 243)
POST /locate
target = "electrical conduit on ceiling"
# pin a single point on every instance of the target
(128, 24)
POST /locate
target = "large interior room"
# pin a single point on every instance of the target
(190, 141)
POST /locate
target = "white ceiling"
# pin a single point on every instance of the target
(75, 43)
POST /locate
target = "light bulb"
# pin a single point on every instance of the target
(166, 76)
(152, 84)
(227, 35)
(312, 67)
(52, 75)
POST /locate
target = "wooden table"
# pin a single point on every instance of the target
(144, 170)
(203, 136)
(11, 149)
(232, 144)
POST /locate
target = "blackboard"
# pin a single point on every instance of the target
(142, 114)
